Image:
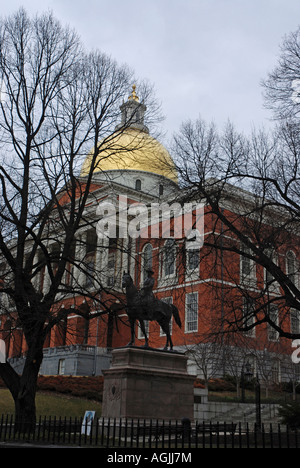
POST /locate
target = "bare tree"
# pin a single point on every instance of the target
(208, 358)
(58, 105)
(251, 190)
(282, 87)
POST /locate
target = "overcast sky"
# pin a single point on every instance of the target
(204, 57)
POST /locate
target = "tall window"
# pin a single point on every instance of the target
(169, 257)
(61, 366)
(191, 313)
(193, 259)
(275, 369)
(138, 184)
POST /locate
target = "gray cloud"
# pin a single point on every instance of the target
(205, 57)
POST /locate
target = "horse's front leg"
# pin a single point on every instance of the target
(144, 333)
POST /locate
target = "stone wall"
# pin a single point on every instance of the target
(205, 410)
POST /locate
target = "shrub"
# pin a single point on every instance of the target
(85, 387)
(220, 385)
(290, 414)
(199, 383)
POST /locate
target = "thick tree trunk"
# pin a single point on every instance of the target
(25, 409)
(23, 390)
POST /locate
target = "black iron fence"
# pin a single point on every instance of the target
(155, 434)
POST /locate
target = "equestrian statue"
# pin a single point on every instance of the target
(142, 305)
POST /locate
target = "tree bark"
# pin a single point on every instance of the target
(23, 389)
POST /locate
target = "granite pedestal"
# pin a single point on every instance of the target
(148, 384)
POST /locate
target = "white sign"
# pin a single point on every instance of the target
(2, 352)
(87, 422)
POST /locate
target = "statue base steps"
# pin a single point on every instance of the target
(148, 384)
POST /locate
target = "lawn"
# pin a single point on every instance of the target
(52, 404)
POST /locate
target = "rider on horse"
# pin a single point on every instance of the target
(142, 305)
(147, 296)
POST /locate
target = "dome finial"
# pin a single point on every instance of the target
(133, 96)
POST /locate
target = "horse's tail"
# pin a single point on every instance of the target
(176, 315)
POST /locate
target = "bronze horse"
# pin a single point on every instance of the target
(155, 310)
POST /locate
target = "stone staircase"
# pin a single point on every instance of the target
(246, 413)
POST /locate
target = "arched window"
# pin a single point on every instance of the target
(138, 184)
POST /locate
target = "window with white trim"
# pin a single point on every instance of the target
(169, 258)
(191, 313)
(247, 266)
(193, 259)
(276, 371)
(61, 366)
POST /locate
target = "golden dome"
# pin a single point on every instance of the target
(132, 150)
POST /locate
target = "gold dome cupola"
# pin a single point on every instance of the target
(131, 149)
(133, 113)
